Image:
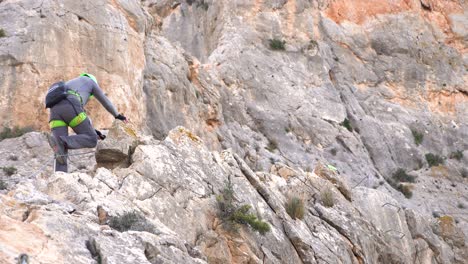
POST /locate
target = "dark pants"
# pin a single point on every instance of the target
(85, 136)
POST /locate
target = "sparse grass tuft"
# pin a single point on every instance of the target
(295, 208)
(461, 205)
(277, 44)
(272, 145)
(10, 170)
(14, 132)
(434, 160)
(131, 221)
(347, 124)
(458, 155)
(326, 196)
(2, 33)
(13, 157)
(418, 137)
(235, 215)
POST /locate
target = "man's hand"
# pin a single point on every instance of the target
(100, 135)
(122, 118)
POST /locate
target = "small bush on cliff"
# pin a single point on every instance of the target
(434, 159)
(405, 189)
(13, 132)
(131, 221)
(401, 176)
(2, 33)
(464, 173)
(295, 208)
(203, 4)
(3, 185)
(9, 170)
(418, 136)
(458, 155)
(277, 44)
(235, 215)
(399, 182)
(347, 124)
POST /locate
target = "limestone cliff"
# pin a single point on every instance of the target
(276, 90)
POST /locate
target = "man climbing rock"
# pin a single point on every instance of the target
(66, 102)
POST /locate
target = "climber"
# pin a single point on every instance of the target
(66, 101)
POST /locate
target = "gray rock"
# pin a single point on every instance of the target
(118, 146)
(207, 65)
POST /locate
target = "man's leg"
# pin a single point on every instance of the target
(85, 136)
(59, 132)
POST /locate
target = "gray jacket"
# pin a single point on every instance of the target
(87, 87)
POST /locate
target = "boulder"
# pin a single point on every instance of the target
(117, 148)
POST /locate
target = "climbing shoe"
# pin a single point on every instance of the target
(57, 147)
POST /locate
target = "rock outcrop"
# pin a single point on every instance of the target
(173, 185)
(361, 104)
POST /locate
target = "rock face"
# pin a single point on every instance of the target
(174, 184)
(367, 87)
(57, 40)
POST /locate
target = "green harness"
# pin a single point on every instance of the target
(74, 122)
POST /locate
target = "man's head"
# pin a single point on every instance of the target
(90, 76)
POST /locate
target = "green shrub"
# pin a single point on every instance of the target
(13, 132)
(9, 170)
(326, 196)
(347, 124)
(242, 216)
(277, 44)
(401, 176)
(3, 185)
(2, 33)
(295, 208)
(434, 160)
(418, 137)
(272, 145)
(235, 215)
(458, 155)
(131, 221)
(461, 205)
